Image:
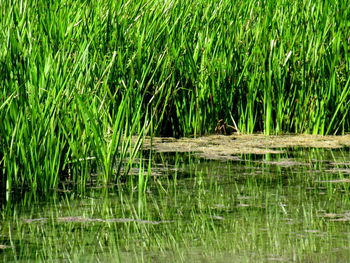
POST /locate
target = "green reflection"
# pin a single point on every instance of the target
(291, 206)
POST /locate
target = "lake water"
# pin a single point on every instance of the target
(290, 206)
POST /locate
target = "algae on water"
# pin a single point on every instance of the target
(226, 147)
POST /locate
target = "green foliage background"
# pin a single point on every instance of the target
(79, 78)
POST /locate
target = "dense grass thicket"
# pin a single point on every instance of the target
(78, 78)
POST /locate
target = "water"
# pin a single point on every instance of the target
(288, 207)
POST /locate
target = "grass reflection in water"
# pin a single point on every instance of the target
(290, 206)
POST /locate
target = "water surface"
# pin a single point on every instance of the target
(289, 206)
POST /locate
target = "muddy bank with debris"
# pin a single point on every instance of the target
(226, 147)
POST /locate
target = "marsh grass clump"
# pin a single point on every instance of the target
(80, 77)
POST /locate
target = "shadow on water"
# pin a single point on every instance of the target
(292, 205)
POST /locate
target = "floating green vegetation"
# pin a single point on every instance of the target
(78, 78)
(227, 147)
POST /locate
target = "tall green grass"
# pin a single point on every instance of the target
(79, 78)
